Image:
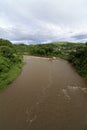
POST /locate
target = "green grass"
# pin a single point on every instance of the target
(12, 74)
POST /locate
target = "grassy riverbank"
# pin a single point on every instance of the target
(79, 60)
(12, 74)
(10, 63)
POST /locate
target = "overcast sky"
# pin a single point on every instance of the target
(40, 21)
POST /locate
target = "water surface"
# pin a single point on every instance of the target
(48, 95)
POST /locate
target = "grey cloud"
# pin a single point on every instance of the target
(80, 36)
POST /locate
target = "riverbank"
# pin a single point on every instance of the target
(10, 63)
(78, 59)
(10, 76)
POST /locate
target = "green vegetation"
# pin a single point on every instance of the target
(10, 63)
(79, 59)
(47, 50)
(75, 53)
(58, 49)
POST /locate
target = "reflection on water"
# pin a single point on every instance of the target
(48, 95)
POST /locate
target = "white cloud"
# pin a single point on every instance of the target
(43, 20)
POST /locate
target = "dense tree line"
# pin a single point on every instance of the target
(8, 60)
(79, 59)
(47, 50)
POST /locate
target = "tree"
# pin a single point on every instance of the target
(6, 51)
(5, 43)
(86, 43)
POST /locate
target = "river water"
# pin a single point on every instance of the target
(48, 95)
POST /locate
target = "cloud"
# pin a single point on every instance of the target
(80, 36)
(43, 20)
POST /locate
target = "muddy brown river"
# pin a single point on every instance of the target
(48, 95)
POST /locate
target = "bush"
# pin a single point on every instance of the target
(4, 64)
(10, 63)
(79, 60)
(6, 52)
